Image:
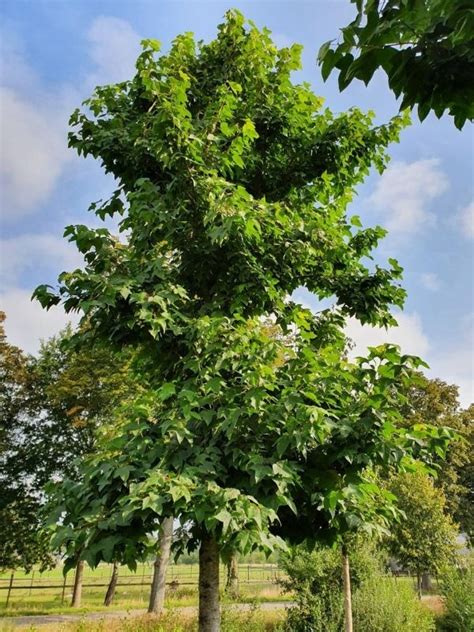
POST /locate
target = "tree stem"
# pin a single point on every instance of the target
(346, 583)
(209, 610)
(77, 590)
(110, 594)
(158, 585)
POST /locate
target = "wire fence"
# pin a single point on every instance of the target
(178, 576)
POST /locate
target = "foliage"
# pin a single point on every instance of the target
(425, 538)
(315, 579)
(426, 48)
(436, 403)
(21, 543)
(457, 588)
(52, 406)
(389, 605)
(233, 185)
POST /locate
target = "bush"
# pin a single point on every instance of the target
(380, 603)
(315, 579)
(457, 588)
(385, 604)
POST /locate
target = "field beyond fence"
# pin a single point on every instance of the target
(50, 591)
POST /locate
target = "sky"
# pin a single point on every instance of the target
(53, 53)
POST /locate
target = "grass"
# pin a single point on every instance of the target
(252, 621)
(47, 599)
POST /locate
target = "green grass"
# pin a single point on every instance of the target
(47, 600)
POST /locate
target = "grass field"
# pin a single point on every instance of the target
(43, 593)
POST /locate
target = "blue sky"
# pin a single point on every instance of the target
(55, 51)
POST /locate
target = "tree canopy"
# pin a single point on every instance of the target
(426, 48)
(233, 185)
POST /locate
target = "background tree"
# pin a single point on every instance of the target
(435, 402)
(426, 48)
(233, 185)
(424, 539)
(22, 544)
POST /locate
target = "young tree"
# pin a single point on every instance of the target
(233, 185)
(425, 538)
(424, 46)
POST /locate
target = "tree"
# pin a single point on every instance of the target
(22, 544)
(53, 407)
(436, 403)
(426, 48)
(425, 538)
(233, 185)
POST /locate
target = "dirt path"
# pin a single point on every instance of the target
(49, 619)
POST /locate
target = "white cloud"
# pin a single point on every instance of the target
(28, 323)
(430, 281)
(456, 365)
(34, 119)
(409, 335)
(33, 152)
(114, 47)
(403, 194)
(19, 255)
(466, 220)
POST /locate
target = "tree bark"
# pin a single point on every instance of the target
(110, 594)
(346, 583)
(426, 583)
(209, 611)
(77, 590)
(232, 581)
(418, 584)
(158, 584)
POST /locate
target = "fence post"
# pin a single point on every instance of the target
(64, 589)
(9, 589)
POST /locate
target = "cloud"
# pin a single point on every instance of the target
(33, 152)
(28, 323)
(430, 281)
(114, 47)
(409, 335)
(34, 118)
(40, 254)
(403, 194)
(466, 220)
(456, 365)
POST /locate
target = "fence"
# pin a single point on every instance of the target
(179, 575)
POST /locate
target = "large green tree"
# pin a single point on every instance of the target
(21, 542)
(233, 185)
(426, 48)
(424, 540)
(437, 403)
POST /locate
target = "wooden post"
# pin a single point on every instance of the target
(9, 589)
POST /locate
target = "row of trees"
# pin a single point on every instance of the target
(239, 412)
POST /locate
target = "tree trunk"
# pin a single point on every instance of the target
(77, 590)
(346, 583)
(209, 611)
(426, 583)
(158, 585)
(232, 581)
(418, 584)
(110, 594)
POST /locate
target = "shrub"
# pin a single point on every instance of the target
(457, 588)
(385, 604)
(315, 579)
